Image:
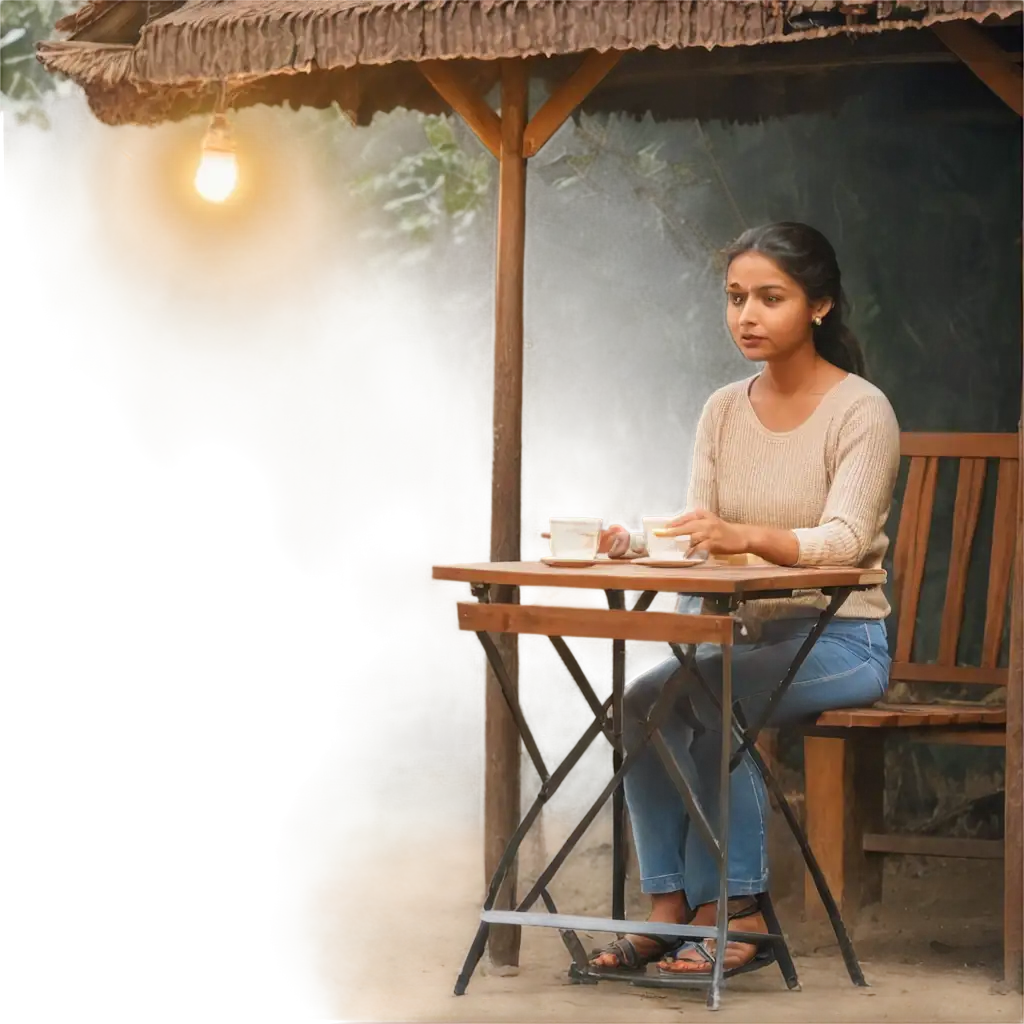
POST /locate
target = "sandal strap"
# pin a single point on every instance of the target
(696, 947)
(623, 950)
(629, 956)
(749, 908)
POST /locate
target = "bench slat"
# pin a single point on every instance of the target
(918, 505)
(905, 532)
(966, 506)
(1000, 563)
(911, 716)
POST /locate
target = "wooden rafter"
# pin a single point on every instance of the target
(566, 98)
(993, 65)
(465, 101)
(1013, 878)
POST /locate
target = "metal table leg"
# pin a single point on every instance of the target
(714, 996)
(617, 602)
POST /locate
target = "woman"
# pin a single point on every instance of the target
(796, 465)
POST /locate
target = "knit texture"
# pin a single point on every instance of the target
(830, 481)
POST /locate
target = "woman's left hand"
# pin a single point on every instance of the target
(708, 533)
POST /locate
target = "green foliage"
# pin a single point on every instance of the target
(23, 80)
(438, 189)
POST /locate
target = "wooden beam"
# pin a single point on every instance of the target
(959, 737)
(958, 446)
(1013, 828)
(798, 64)
(469, 105)
(657, 627)
(961, 675)
(986, 59)
(933, 846)
(566, 98)
(501, 776)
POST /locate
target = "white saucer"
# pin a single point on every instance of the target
(669, 563)
(572, 563)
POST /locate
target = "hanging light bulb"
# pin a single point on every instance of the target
(217, 173)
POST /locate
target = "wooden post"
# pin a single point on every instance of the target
(504, 136)
(844, 785)
(1013, 829)
(997, 70)
(501, 778)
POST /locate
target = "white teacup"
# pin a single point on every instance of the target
(664, 547)
(575, 537)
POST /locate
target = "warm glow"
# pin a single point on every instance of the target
(216, 175)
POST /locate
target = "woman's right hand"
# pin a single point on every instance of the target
(614, 542)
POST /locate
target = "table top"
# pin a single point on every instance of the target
(698, 580)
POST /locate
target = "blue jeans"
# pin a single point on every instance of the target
(847, 667)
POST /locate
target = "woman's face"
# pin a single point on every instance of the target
(768, 313)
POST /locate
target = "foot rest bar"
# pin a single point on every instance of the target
(608, 924)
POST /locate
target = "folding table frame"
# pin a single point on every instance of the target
(682, 633)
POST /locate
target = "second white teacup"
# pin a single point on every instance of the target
(664, 547)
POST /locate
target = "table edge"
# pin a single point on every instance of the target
(585, 579)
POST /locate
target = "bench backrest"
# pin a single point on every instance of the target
(977, 455)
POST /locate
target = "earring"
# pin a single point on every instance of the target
(816, 321)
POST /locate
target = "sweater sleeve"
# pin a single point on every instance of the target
(703, 490)
(866, 464)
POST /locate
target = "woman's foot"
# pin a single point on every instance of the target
(670, 907)
(743, 917)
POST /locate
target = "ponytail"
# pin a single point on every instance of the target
(835, 342)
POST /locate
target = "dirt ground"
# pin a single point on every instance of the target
(393, 930)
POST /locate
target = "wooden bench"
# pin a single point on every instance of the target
(844, 751)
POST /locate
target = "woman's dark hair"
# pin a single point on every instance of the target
(807, 256)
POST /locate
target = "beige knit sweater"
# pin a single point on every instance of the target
(830, 481)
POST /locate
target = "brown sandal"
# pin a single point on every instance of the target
(762, 956)
(630, 958)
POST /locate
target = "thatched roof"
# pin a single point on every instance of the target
(147, 62)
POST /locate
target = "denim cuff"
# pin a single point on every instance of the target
(662, 883)
(736, 887)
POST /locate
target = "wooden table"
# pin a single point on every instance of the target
(735, 582)
(724, 588)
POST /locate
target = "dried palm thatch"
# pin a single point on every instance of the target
(147, 62)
